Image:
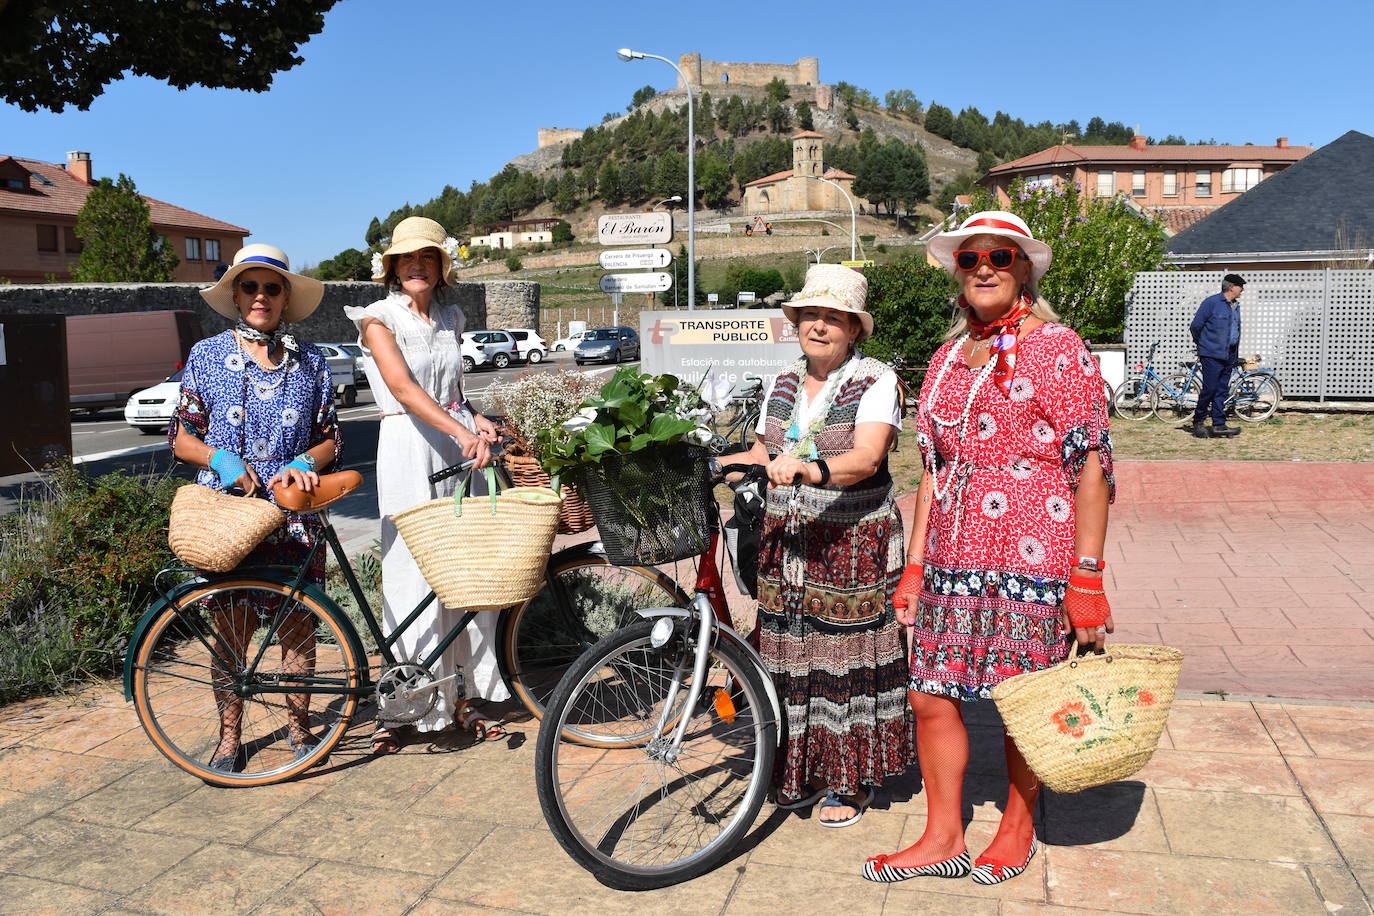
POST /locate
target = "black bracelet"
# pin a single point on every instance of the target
(825, 472)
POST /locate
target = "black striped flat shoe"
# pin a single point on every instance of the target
(989, 871)
(877, 869)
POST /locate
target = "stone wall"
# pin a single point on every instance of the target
(510, 303)
(707, 73)
(548, 136)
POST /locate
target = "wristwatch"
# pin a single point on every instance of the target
(1096, 564)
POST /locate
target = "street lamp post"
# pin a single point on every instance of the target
(818, 251)
(668, 200)
(853, 219)
(627, 55)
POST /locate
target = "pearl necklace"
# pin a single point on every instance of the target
(956, 352)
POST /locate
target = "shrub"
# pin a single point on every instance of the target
(367, 566)
(76, 573)
(866, 238)
(912, 305)
(513, 263)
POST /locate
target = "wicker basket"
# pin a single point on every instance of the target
(214, 531)
(575, 516)
(483, 553)
(651, 506)
(1092, 720)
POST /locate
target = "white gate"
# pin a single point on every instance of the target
(1314, 327)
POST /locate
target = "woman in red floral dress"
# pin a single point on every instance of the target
(1011, 516)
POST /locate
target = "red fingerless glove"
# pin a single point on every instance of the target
(909, 588)
(1085, 602)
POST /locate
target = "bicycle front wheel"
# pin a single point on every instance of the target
(1134, 400)
(244, 673)
(1257, 397)
(648, 814)
(583, 599)
(1177, 397)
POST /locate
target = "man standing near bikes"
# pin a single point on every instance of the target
(1216, 332)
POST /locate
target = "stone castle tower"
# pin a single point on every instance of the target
(705, 73)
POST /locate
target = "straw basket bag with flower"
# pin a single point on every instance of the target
(532, 404)
(1091, 720)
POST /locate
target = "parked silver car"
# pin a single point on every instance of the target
(610, 345)
(498, 348)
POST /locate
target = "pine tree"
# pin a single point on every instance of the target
(119, 244)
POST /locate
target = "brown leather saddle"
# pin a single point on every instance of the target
(330, 489)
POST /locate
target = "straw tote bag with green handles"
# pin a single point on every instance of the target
(483, 553)
(1094, 719)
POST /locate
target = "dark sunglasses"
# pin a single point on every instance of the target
(269, 289)
(999, 258)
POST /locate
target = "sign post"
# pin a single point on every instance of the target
(630, 258)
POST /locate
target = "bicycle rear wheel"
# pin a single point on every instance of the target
(1134, 400)
(583, 599)
(228, 654)
(1257, 397)
(642, 815)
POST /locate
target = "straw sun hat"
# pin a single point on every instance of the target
(412, 234)
(305, 292)
(833, 286)
(993, 222)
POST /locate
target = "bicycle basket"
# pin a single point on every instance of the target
(650, 506)
(214, 531)
(575, 516)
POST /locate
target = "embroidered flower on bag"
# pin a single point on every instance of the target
(1021, 389)
(1072, 719)
(1057, 507)
(995, 503)
(1145, 698)
(986, 426)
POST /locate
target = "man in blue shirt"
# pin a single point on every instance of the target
(1216, 332)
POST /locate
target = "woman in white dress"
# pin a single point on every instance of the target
(412, 338)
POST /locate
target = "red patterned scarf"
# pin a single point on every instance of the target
(1003, 333)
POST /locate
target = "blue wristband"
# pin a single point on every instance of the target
(228, 466)
(303, 462)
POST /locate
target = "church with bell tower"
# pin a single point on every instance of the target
(796, 189)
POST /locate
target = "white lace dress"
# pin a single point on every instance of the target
(408, 451)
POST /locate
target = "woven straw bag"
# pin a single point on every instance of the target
(214, 531)
(575, 516)
(483, 553)
(1091, 720)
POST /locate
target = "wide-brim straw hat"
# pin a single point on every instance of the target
(993, 222)
(412, 234)
(833, 286)
(306, 292)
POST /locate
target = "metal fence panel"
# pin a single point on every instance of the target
(1314, 327)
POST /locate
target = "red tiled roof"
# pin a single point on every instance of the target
(836, 173)
(1176, 219)
(66, 195)
(769, 179)
(807, 135)
(1073, 155)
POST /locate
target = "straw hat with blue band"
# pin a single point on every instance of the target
(306, 292)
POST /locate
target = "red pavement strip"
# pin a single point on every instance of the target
(1261, 572)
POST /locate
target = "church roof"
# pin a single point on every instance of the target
(807, 135)
(770, 179)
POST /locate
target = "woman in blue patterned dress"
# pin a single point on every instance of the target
(257, 406)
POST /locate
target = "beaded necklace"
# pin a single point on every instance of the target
(958, 425)
(801, 445)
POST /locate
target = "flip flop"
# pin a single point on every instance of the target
(806, 801)
(385, 741)
(484, 727)
(832, 800)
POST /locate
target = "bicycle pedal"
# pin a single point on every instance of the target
(725, 706)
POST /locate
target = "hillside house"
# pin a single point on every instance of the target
(516, 233)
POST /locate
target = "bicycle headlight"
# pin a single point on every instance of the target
(662, 632)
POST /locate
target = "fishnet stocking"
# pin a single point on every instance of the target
(1013, 839)
(942, 749)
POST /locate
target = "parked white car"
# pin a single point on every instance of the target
(343, 371)
(531, 346)
(359, 361)
(150, 411)
(572, 340)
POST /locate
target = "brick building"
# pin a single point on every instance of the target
(39, 202)
(1182, 184)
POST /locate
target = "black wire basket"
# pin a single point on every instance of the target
(651, 506)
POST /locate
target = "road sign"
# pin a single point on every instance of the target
(713, 297)
(635, 228)
(636, 283)
(859, 264)
(745, 297)
(760, 225)
(630, 258)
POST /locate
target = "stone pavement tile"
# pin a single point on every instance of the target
(92, 727)
(332, 889)
(480, 792)
(101, 858)
(545, 879)
(1338, 889)
(390, 781)
(434, 907)
(129, 800)
(230, 815)
(1142, 882)
(1257, 618)
(1308, 636)
(1354, 835)
(39, 771)
(1259, 774)
(935, 897)
(1365, 877)
(1187, 635)
(1276, 828)
(32, 897)
(134, 744)
(1135, 632)
(1327, 602)
(1219, 727)
(1283, 730)
(217, 879)
(376, 837)
(1122, 815)
(1172, 614)
(1323, 585)
(798, 837)
(1249, 657)
(1300, 710)
(1337, 786)
(1210, 596)
(773, 889)
(18, 809)
(1349, 657)
(1346, 739)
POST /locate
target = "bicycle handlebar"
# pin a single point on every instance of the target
(753, 472)
(455, 469)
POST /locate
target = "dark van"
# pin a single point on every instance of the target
(109, 357)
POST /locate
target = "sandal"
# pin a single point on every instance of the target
(834, 800)
(484, 727)
(385, 741)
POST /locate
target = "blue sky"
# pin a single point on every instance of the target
(397, 98)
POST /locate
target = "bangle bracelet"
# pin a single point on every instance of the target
(825, 472)
(1086, 591)
(306, 459)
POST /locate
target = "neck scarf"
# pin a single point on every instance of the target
(278, 335)
(1003, 343)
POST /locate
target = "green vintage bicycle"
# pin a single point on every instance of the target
(292, 667)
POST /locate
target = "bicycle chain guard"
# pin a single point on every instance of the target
(404, 694)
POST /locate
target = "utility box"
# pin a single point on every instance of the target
(33, 392)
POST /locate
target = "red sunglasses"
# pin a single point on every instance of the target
(999, 258)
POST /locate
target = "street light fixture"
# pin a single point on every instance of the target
(818, 251)
(676, 198)
(627, 55)
(853, 220)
